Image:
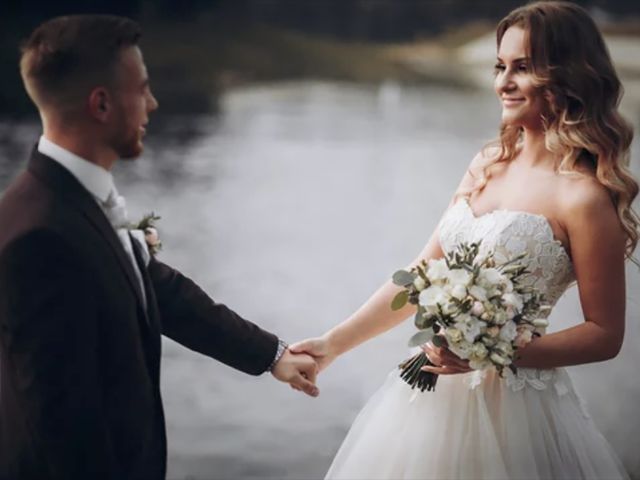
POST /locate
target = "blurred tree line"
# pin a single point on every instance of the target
(359, 21)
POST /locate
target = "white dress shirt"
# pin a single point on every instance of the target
(99, 183)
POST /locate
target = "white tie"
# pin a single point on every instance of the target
(115, 208)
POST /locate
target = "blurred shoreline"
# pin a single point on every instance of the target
(193, 63)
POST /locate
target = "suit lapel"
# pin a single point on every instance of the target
(152, 309)
(66, 185)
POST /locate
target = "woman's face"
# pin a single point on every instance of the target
(522, 102)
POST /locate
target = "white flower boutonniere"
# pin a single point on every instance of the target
(148, 226)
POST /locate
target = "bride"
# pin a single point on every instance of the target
(556, 186)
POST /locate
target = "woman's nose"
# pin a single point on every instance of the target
(505, 82)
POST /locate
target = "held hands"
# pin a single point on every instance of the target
(445, 361)
(319, 348)
(299, 371)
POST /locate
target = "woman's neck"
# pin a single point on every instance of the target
(534, 152)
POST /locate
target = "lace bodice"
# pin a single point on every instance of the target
(509, 233)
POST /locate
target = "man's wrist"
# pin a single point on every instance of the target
(282, 347)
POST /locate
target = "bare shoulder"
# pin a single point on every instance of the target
(484, 158)
(587, 206)
(477, 170)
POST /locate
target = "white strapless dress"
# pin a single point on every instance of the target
(476, 425)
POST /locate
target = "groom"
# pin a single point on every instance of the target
(82, 303)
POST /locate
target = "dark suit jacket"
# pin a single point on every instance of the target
(79, 354)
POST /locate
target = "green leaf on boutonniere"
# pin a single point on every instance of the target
(439, 341)
(148, 221)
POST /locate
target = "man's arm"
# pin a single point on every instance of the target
(190, 317)
(49, 334)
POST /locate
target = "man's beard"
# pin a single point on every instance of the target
(129, 147)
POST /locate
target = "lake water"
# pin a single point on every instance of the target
(292, 206)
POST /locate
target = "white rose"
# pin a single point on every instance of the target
(508, 331)
(459, 291)
(453, 334)
(448, 308)
(501, 317)
(430, 297)
(508, 285)
(499, 359)
(540, 322)
(477, 309)
(524, 337)
(493, 332)
(459, 276)
(479, 364)
(437, 270)
(492, 276)
(512, 300)
(504, 347)
(461, 349)
(488, 341)
(419, 283)
(479, 351)
(478, 293)
(470, 330)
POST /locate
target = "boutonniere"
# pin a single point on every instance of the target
(148, 227)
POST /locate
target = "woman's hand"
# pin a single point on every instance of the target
(444, 360)
(320, 348)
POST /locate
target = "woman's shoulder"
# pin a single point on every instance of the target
(584, 199)
(487, 156)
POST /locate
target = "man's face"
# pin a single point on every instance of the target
(133, 101)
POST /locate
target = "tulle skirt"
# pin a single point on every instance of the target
(477, 426)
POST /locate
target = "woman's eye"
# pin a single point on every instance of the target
(499, 67)
(523, 67)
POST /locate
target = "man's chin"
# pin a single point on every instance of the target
(132, 152)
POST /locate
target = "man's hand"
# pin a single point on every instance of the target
(319, 348)
(299, 371)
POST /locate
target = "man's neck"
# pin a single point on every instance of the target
(80, 144)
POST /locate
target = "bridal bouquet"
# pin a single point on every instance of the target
(472, 305)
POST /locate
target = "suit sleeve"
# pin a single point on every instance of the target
(190, 317)
(50, 337)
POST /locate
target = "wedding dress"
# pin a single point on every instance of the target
(477, 425)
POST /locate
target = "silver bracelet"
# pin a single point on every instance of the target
(282, 347)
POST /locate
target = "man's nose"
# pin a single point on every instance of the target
(153, 103)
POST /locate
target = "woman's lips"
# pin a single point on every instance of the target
(512, 102)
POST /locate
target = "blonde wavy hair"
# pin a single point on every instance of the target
(572, 67)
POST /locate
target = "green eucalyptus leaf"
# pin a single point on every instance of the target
(403, 278)
(422, 337)
(439, 341)
(400, 300)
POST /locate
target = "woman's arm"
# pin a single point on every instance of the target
(375, 315)
(371, 319)
(597, 251)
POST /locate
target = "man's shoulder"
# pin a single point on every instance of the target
(29, 205)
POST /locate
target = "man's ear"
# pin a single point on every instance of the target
(100, 104)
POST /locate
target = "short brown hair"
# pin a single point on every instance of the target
(65, 57)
